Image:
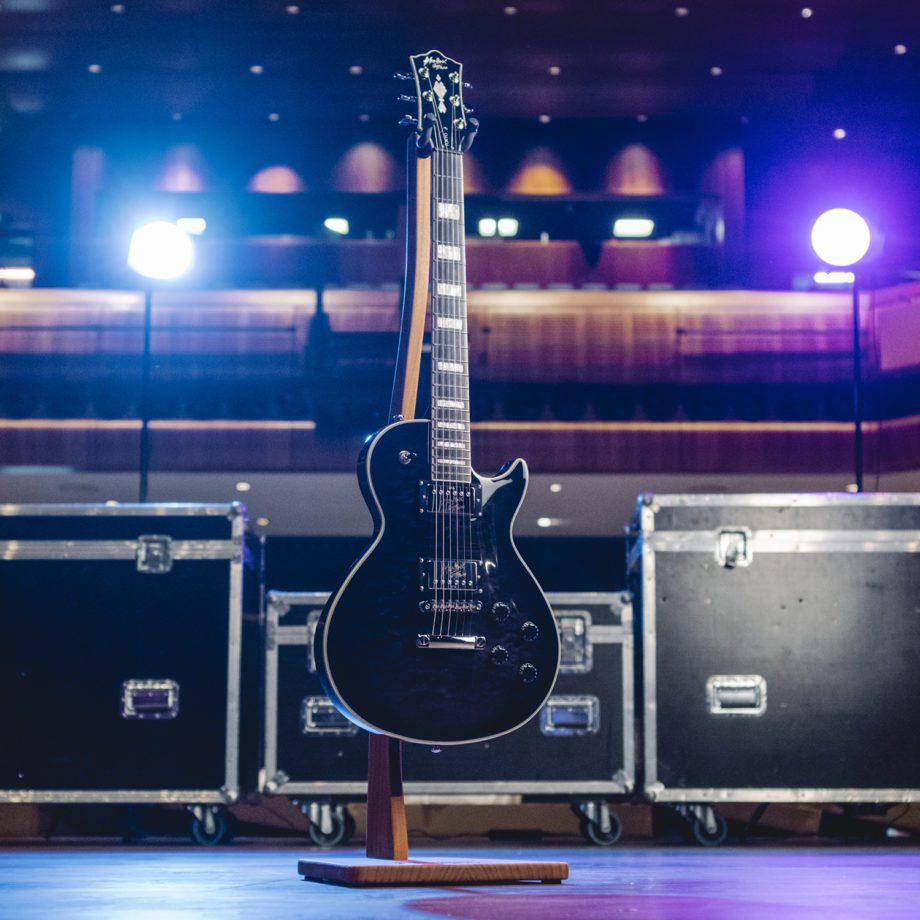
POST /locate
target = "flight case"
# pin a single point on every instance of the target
(780, 643)
(579, 747)
(120, 655)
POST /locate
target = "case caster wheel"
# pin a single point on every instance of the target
(330, 825)
(598, 824)
(210, 825)
(710, 834)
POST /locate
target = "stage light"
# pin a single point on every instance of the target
(194, 226)
(555, 487)
(161, 250)
(488, 226)
(844, 278)
(633, 228)
(507, 226)
(840, 237)
(243, 487)
(336, 225)
(17, 275)
(544, 522)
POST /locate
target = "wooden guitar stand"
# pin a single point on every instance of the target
(387, 861)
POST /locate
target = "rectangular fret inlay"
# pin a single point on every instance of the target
(450, 461)
(449, 253)
(451, 404)
(453, 426)
(452, 367)
(448, 322)
(449, 290)
(450, 445)
(448, 210)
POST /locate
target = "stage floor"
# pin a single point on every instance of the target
(646, 883)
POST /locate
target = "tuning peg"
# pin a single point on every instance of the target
(409, 121)
(468, 109)
(467, 85)
(404, 98)
(402, 76)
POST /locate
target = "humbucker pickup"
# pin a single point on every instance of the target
(449, 574)
(450, 498)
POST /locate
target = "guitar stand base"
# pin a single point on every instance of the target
(366, 872)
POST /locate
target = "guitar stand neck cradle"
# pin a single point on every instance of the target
(387, 859)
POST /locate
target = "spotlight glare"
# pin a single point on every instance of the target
(488, 226)
(545, 522)
(900, 49)
(839, 134)
(336, 225)
(16, 274)
(161, 251)
(507, 226)
(633, 228)
(840, 237)
(194, 226)
(829, 278)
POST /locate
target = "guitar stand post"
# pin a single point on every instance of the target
(387, 861)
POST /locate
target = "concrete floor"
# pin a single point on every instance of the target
(647, 883)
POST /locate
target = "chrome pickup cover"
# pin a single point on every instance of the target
(450, 498)
(448, 574)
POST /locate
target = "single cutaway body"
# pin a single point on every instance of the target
(440, 633)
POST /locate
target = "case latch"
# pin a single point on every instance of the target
(154, 554)
(149, 699)
(575, 646)
(733, 547)
(319, 717)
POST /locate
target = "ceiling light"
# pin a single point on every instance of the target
(807, 12)
(633, 228)
(507, 226)
(243, 487)
(336, 225)
(17, 274)
(356, 70)
(177, 116)
(118, 7)
(682, 11)
(544, 119)
(900, 49)
(95, 68)
(256, 69)
(510, 10)
(160, 250)
(262, 521)
(555, 487)
(364, 117)
(544, 522)
(488, 226)
(715, 71)
(274, 116)
(839, 134)
(642, 118)
(554, 71)
(292, 10)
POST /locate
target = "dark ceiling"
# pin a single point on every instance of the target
(328, 60)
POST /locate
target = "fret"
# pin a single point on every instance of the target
(450, 417)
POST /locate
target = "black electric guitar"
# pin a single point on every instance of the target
(440, 634)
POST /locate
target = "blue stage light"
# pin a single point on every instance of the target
(161, 251)
(840, 237)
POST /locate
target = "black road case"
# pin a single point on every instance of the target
(579, 747)
(780, 646)
(120, 654)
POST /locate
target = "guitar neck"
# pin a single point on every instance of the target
(450, 401)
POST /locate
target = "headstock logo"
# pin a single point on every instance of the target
(435, 62)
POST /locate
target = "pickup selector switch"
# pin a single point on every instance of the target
(501, 611)
(530, 631)
(528, 672)
(499, 654)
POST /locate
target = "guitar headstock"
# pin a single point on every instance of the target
(439, 91)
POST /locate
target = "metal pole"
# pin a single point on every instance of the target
(145, 399)
(857, 390)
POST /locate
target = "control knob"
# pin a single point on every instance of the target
(528, 672)
(499, 654)
(501, 611)
(530, 631)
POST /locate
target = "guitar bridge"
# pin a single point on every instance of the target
(469, 643)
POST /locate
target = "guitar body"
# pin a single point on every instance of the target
(440, 634)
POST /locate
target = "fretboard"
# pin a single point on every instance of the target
(450, 390)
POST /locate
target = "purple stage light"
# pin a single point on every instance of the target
(840, 237)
